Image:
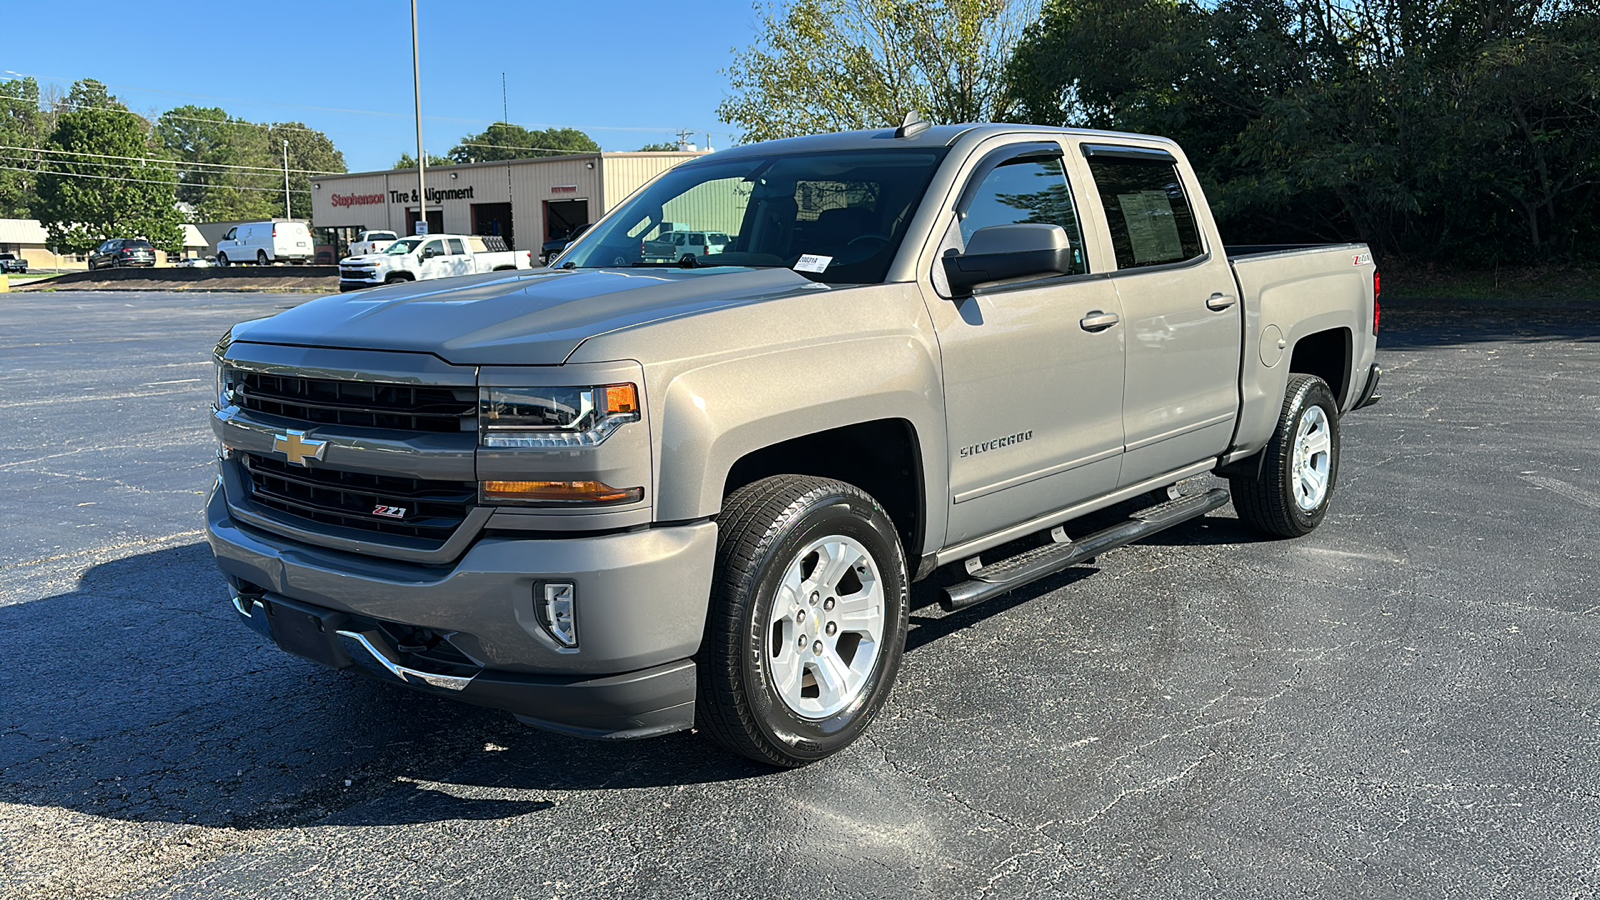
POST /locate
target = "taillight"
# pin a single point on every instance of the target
(274, 231)
(1377, 308)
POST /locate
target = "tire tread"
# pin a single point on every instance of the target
(1259, 499)
(722, 712)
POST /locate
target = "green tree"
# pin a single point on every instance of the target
(1439, 129)
(502, 141)
(662, 147)
(223, 165)
(839, 65)
(407, 161)
(109, 183)
(23, 128)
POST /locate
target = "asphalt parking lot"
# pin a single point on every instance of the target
(1402, 704)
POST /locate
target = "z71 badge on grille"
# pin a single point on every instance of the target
(390, 512)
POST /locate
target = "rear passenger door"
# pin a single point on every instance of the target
(1032, 369)
(460, 262)
(1182, 312)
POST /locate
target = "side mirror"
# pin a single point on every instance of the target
(430, 253)
(1001, 252)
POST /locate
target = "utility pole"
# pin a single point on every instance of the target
(422, 158)
(288, 208)
(683, 138)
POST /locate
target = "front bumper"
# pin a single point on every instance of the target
(641, 600)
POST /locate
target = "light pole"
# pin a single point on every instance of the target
(288, 207)
(422, 159)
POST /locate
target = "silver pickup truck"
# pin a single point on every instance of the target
(619, 498)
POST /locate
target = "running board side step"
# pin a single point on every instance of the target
(1009, 574)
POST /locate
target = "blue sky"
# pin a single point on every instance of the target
(627, 72)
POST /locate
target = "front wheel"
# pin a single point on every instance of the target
(1289, 496)
(807, 623)
(222, 260)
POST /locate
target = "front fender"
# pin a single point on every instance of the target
(714, 415)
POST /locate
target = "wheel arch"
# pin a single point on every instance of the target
(875, 420)
(882, 457)
(1327, 355)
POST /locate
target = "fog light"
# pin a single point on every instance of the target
(558, 612)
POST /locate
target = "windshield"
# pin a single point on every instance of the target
(401, 248)
(835, 217)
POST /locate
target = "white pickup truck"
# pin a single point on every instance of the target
(420, 258)
(372, 242)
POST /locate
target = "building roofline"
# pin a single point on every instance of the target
(502, 163)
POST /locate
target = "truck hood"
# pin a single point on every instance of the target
(529, 318)
(363, 258)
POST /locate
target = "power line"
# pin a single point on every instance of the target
(370, 112)
(175, 184)
(182, 164)
(241, 122)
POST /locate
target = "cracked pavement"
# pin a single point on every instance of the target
(1402, 704)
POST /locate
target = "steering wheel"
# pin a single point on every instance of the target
(880, 238)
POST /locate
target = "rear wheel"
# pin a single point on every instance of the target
(261, 257)
(1300, 465)
(808, 620)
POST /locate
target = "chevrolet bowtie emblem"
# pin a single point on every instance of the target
(295, 446)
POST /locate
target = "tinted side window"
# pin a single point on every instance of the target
(1027, 190)
(1148, 213)
(456, 248)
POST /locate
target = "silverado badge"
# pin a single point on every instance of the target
(295, 446)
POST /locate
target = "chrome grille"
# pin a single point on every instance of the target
(434, 509)
(362, 404)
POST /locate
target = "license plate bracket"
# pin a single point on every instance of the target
(308, 632)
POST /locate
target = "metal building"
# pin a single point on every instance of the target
(526, 201)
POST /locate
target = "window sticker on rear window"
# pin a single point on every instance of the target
(810, 262)
(1152, 229)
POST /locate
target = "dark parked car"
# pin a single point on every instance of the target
(118, 253)
(10, 262)
(552, 248)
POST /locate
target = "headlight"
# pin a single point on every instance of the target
(219, 369)
(554, 417)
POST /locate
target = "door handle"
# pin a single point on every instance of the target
(1099, 321)
(1219, 302)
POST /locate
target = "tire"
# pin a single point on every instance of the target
(396, 279)
(261, 257)
(1299, 468)
(761, 693)
(222, 260)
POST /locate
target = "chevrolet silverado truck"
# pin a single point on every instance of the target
(620, 498)
(420, 258)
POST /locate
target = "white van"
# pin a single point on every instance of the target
(265, 242)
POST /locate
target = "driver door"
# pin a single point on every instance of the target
(1033, 374)
(432, 262)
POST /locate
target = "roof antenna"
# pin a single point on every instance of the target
(911, 126)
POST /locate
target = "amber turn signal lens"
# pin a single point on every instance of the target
(560, 493)
(621, 399)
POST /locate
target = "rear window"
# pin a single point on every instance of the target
(1148, 213)
(137, 245)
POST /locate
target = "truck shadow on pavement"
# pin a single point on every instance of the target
(139, 696)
